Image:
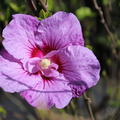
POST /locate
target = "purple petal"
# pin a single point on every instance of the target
(58, 31)
(45, 95)
(31, 65)
(80, 67)
(19, 35)
(12, 76)
(37, 97)
(61, 99)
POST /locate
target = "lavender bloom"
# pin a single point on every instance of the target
(46, 61)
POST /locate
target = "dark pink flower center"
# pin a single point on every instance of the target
(36, 52)
(41, 65)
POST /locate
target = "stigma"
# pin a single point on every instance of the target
(45, 63)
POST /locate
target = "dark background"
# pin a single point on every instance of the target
(105, 43)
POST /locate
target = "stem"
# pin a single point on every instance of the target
(101, 14)
(88, 104)
(37, 5)
(32, 6)
(102, 18)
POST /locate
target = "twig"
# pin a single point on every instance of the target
(33, 5)
(44, 5)
(98, 8)
(102, 17)
(88, 104)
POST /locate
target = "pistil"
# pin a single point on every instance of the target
(45, 63)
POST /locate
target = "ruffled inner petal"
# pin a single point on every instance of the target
(31, 65)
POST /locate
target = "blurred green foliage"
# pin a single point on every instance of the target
(9, 7)
(96, 38)
(105, 2)
(3, 112)
(43, 14)
(84, 12)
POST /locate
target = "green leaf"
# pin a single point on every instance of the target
(108, 61)
(104, 73)
(44, 14)
(50, 4)
(3, 112)
(118, 43)
(89, 46)
(84, 12)
(14, 7)
(115, 103)
(105, 2)
(2, 17)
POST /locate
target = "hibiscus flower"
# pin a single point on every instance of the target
(46, 61)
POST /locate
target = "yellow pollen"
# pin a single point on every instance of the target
(45, 63)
